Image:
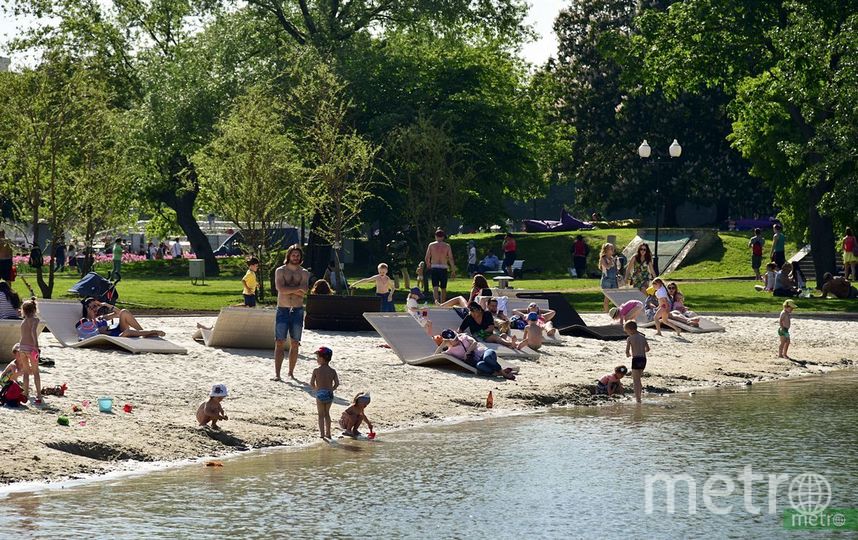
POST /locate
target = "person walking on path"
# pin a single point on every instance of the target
(5, 257)
(439, 260)
(850, 255)
(778, 246)
(580, 249)
(509, 253)
(117, 258)
(756, 244)
(292, 282)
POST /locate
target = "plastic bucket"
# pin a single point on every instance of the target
(105, 404)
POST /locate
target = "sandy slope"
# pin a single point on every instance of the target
(165, 390)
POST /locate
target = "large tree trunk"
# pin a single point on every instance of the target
(318, 252)
(822, 240)
(184, 208)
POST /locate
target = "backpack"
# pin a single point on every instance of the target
(517, 322)
(12, 394)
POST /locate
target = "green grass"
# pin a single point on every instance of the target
(730, 259)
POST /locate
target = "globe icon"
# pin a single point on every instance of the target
(809, 493)
(839, 520)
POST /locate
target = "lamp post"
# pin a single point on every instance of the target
(645, 151)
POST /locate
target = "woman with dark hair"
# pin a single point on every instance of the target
(479, 287)
(10, 302)
(481, 325)
(98, 318)
(639, 272)
(678, 311)
(321, 287)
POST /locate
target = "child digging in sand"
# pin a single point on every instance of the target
(28, 348)
(352, 417)
(636, 347)
(533, 336)
(324, 381)
(784, 323)
(212, 410)
(610, 384)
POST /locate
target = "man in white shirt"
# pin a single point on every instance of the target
(176, 250)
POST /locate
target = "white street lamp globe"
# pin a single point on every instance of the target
(675, 150)
(644, 149)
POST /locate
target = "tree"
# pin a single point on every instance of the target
(339, 164)
(599, 92)
(248, 171)
(432, 173)
(53, 122)
(789, 70)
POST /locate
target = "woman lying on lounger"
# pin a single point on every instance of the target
(98, 319)
(479, 287)
(476, 355)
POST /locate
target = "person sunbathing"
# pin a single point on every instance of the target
(98, 319)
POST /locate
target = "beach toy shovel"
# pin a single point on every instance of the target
(105, 404)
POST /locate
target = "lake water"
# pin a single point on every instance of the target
(559, 474)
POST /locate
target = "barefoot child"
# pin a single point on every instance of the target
(636, 347)
(250, 282)
(212, 410)
(610, 384)
(383, 287)
(420, 313)
(352, 417)
(28, 348)
(533, 336)
(14, 369)
(324, 381)
(784, 322)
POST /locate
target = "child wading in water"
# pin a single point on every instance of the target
(383, 287)
(324, 381)
(636, 347)
(212, 410)
(610, 384)
(784, 322)
(28, 348)
(352, 417)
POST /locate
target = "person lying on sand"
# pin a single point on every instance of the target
(212, 410)
(98, 319)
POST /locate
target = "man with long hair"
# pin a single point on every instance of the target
(292, 282)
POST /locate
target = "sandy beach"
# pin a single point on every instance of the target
(165, 390)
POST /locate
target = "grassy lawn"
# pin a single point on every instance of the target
(732, 258)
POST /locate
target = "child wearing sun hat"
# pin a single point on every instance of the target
(212, 410)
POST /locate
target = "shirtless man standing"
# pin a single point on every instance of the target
(5, 257)
(439, 260)
(292, 282)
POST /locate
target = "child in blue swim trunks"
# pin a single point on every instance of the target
(324, 381)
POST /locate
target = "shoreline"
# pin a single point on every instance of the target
(267, 416)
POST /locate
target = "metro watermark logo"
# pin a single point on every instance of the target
(809, 495)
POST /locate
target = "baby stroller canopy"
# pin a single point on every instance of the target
(97, 287)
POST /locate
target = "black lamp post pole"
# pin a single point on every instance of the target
(657, 218)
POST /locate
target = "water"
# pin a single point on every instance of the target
(558, 474)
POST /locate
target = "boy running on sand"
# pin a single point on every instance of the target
(533, 336)
(784, 322)
(383, 287)
(212, 410)
(610, 384)
(636, 347)
(28, 348)
(324, 381)
(352, 417)
(250, 282)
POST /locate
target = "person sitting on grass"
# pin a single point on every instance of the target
(533, 336)
(839, 287)
(610, 384)
(785, 284)
(473, 353)
(769, 278)
(355, 415)
(212, 410)
(543, 317)
(98, 319)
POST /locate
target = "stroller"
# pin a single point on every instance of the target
(102, 289)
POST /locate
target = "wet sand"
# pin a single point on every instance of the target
(165, 390)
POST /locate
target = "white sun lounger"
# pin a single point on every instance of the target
(448, 318)
(413, 345)
(61, 317)
(240, 328)
(10, 334)
(619, 296)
